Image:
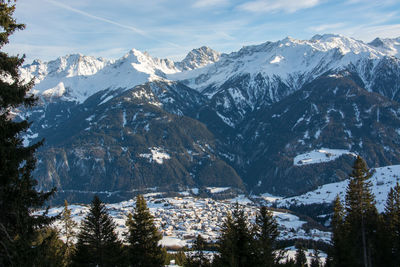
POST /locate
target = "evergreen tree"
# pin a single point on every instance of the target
(18, 197)
(97, 244)
(300, 257)
(316, 260)
(339, 253)
(180, 258)
(236, 243)
(52, 249)
(266, 233)
(143, 238)
(390, 231)
(198, 259)
(68, 231)
(361, 216)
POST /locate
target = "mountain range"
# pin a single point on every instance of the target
(237, 119)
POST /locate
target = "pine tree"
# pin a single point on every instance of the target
(390, 231)
(180, 258)
(300, 256)
(198, 259)
(266, 233)
(339, 252)
(52, 249)
(361, 216)
(68, 231)
(143, 238)
(97, 244)
(18, 197)
(316, 260)
(236, 243)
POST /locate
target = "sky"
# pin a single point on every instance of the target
(171, 28)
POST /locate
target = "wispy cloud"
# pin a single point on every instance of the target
(134, 29)
(129, 27)
(370, 32)
(209, 3)
(327, 27)
(272, 6)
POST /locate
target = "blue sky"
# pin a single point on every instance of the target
(171, 28)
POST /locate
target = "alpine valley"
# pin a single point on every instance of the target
(281, 117)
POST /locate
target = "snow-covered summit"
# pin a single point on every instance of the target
(293, 61)
(66, 66)
(288, 61)
(390, 46)
(198, 58)
(76, 77)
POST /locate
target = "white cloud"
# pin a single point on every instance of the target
(368, 33)
(326, 27)
(134, 29)
(208, 3)
(272, 6)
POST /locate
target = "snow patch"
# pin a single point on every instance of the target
(319, 156)
(157, 155)
(382, 180)
(214, 190)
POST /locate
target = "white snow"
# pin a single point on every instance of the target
(290, 252)
(241, 199)
(124, 118)
(172, 241)
(319, 156)
(226, 120)
(270, 198)
(214, 190)
(276, 59)
(157, 155)
(288, 59)
(383, 179)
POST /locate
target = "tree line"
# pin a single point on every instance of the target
(241, 243)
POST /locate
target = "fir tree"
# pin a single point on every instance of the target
(390, 231)
(52, 249)
(266, 232)
(236, 244)
(143, 238)
(97, 244)
(18, 197)
(300, 256)
(180, 258)
(316, 260)
(68, 231)
(361, 216)
(339, 253)
(198, 259)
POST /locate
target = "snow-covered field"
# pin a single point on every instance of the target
(181, 219)
(382, 180)
(319, 156)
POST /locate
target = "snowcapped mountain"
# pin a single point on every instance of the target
(77, 77)
(198, 58)
(294, 61)
(387, 46)
(254, 111)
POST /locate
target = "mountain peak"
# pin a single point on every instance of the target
(390, 46)
(198, 58)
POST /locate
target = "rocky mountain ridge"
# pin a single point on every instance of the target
(234, 119)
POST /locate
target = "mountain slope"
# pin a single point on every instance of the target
(129, 143)
(236, 119)
(332, 112)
